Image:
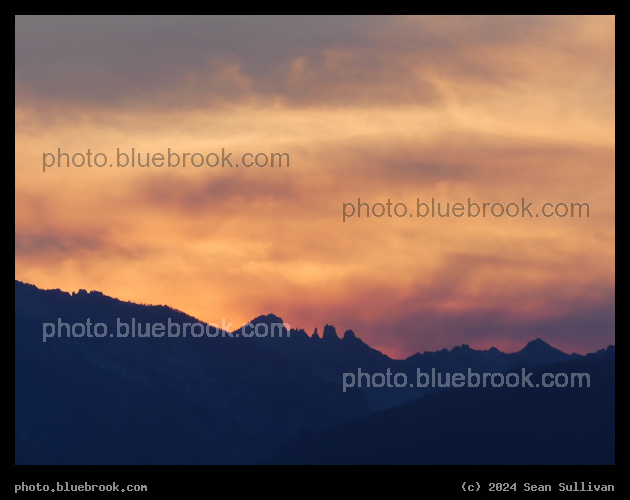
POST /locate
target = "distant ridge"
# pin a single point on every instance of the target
(225, 399)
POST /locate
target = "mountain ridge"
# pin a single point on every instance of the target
(329, 334)
(222, 398)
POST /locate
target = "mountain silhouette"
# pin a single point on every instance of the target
(482, 426)
(154, 400)
(329, 357)
(247, 396)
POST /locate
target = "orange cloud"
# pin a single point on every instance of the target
(489, 108)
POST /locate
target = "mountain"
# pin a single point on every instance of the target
(330, 357)
(482, 426)
(120, 394)
(538, 352)
(132, 400)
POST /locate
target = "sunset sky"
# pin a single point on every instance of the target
(495, 109)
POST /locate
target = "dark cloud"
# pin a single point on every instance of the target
(201, 60)
(63, 245)
(37, 244)
(193, 196)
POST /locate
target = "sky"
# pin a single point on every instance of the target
(494, 109)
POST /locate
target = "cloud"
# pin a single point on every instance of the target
(54, 245)
(184, 61)
(492, 108)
